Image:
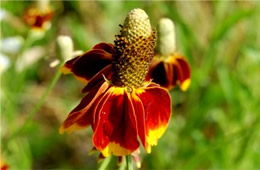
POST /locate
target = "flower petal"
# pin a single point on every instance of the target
(105, 46)
(139, 114)
(115, 132)
(86, 66)
(99, 77)
(159, 74)
(82, 115)
(157, 107)
(169, 72)
(183, 73)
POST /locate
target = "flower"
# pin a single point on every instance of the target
(39, 17)
(121, 106)
(169, 67)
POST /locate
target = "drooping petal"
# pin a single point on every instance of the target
(86, 66)
(162, 72)
(168, 72)
(82, 115)
(157, 106)
(139, 114)
(115, 132)
(105, 46)
(158, 74)
(99, 77)
(183, 72)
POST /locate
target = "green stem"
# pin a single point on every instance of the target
(129, 164)
(19, 81)
(39, 104)
(123, 164)
(105, 163)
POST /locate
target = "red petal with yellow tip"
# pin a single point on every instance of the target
(157, 107)
(115, 133)
(183, 72)
(86, 66)
(82, 115)
(68, 65)
(168, 73)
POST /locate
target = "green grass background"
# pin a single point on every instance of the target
(214, 125)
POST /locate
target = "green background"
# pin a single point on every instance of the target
(214, 125)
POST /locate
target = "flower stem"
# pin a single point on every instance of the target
(39, 104)
(129, 164)
(105, 163)
(123, 164)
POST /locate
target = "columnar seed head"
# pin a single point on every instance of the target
(167, 39)
(134, 49)
(136, 24)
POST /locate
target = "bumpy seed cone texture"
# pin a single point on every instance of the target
(134, 49)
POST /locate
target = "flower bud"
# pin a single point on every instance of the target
(167, 38)
(64, 47)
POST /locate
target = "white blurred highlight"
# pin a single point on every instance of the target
(29, 57)
(167, 37)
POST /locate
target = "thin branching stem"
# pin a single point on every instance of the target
(38, 104)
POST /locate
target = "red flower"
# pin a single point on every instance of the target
(38, 19)
(120, 105)
(170, 70)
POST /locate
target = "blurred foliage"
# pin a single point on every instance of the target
(215, 124)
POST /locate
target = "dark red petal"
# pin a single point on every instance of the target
(81, 116)
(184, 70)
(68, 65)
(86, 66)
(162, 73)
(91, 63)
(115, 132)
(105, 46)
(139, 114)
(99, 77)
(168, 73)
(157, 106)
